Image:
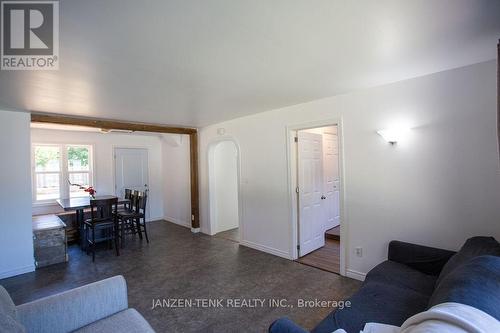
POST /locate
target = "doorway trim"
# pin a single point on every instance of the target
(211, 209)
(292, 184)
(52, 118)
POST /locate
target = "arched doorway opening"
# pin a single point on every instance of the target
(224, 190)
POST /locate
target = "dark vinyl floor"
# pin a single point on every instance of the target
(231, 234)
(179, 264)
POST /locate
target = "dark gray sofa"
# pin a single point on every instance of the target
(412, 280)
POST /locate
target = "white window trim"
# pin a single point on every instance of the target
(64, 187)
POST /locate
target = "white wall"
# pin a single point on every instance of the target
(224, 186)
(103, 161)
(439, 187)
(176, 179)
(16, 240)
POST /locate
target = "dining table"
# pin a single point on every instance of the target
(79, 205)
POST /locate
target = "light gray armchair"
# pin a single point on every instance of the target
(97, 307)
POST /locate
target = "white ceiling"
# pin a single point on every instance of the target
(195, 63)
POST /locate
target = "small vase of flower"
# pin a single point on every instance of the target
(90, 190)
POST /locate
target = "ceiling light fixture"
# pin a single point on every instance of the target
(111, 130)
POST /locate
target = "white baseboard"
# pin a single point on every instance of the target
(267, 249)
(152, 219)
(17, 271)
(195, 230)
(206, 232)
(177, 221)
(355, 275)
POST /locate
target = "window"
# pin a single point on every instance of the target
(47, 172)
(78, 169)
(56, 166)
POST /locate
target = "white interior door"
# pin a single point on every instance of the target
(331, 179)
(131, 171)
(310, 181)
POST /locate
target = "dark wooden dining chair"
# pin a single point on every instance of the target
(134, 220)
(102, 225)
(127, 205)
(125, 217)
(140, 218)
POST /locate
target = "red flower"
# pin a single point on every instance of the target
(90, 190)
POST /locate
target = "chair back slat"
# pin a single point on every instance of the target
(141, 202)
(133, 199)
(103, 208)
(128, 194)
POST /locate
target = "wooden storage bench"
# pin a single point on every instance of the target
(49, 240)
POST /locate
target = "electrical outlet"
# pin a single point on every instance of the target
(359, 251)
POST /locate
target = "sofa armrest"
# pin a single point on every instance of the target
(285, 325)
(75, 308)
(428, 260)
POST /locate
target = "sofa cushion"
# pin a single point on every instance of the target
(8, 316)
(401, 275)
(126, 321)
(473, 247)
(475, 283)
(428, 260)
(375, 302)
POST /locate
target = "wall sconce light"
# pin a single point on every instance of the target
(394, 135)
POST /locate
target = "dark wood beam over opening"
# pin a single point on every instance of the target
(109, 124)
(139, 127)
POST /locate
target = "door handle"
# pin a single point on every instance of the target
(323, 197)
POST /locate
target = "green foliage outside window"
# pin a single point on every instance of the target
(77, 157)
(43, 155)
(78, 154)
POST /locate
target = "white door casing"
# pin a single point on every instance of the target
(331, 179)
(310, 184)
(131, 171)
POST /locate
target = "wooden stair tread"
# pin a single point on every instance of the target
(333, 233)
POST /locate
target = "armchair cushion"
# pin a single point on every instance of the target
(7, 307)
(129, 321)
(9, 324)
(80, 306)
(8, 315)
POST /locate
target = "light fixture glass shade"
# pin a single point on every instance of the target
(393, 135)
